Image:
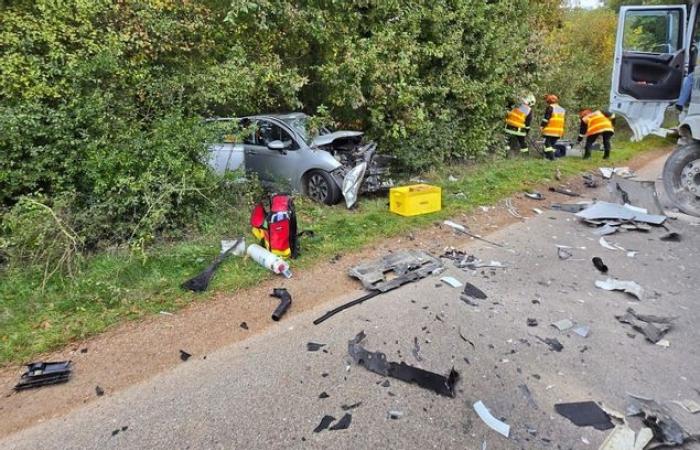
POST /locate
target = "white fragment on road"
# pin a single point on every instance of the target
(689, 405)
(664, 343)
(495, 424)
(606, 244)
(582, 330)
(455, 283)
(166, 313)
(629, 287)
(563, 325)
(537, 211)
(631, 254)
(623, 438)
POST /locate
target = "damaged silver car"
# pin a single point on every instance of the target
(282, 153)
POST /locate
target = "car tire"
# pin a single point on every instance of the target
(321, 187)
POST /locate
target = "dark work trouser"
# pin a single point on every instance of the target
(607, 136)
(549, 143)
(517, 143)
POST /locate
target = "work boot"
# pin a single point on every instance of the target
(606, 154)
(587, 154)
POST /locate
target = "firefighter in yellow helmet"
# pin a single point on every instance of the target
(552, 125)
(593, 124)
(518, 123)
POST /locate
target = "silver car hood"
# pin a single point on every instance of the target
(326, 139)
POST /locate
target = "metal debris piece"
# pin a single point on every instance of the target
(667, 432)
(606, 230)
(671, 237)
(629, 287)
(462, 229)
(634, 192)
(564, 191)
(314, 347)
(598, 264)
(564, 253)
(455, 283)
(563, 325)
(343, 423)
(569, 207)
(605, 210)
(585, 414)
(493, 423)
(43, 374)
(652, 327)
(412, 264)
(474, 292)
(623, 172)
(325, 423)
(534, 195)
(376, 362)
(511, 209)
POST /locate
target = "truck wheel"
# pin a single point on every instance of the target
(682, 178)
(320, 186)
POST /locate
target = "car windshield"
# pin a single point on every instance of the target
(301, 125)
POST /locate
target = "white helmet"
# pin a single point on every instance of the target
(529, 98)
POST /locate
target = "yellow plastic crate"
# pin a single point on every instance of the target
(415, 199)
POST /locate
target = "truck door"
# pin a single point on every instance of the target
(649, 66)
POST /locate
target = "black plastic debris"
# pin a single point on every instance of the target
(116, 432)
(525, 391)
(323, 395)
(325, 423)
(184, 355)
(350, 407)
(652, 327)
(531, 322)
(671, 237)
(553, 343)
(386, 383)
(474, 292)
(200, 282)
(43, 374)
(314, 347)
(243, 325)
(343, 423)
(285, 302)
(666, 431)
(376, 362)
(564, 191)
(99, 391)
(585, 414)
(598, 263)
(416, 350)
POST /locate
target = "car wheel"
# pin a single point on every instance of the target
(321, 187)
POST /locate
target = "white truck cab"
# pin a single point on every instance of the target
(655, 49)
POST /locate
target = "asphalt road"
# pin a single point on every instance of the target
(264, 392)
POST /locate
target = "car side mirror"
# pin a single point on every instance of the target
(276, 145)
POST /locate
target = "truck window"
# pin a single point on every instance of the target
(650, 31)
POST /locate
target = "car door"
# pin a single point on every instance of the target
(279, 168)
(650, 64)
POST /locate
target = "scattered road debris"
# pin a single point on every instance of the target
(314, 347)
(285, 302)
(606, 244)
(598, 264)
(43, 374)
(691, 406)
(376, 362)
(564, 191)
(537, 211)
(511, 209)
(563, 325)
(667, 432)
(406, 267)
(589, 181)
(99, 391)
(350, 407)
(634, 192)
(629, 287)
(455, 283)
(323, 395)
(324, 424)
(553, 343)
(569, 207)
(534, 195)
(116, 432)
(623, 438)
(525, 390)
(671, 237)
(585, 414)
(462, 229)
(606, 230)
(184, 356)
(623, 172)
(343, 423)
(416, 350)
(243, 325)
(652, 327)
(493, 423)
(200, 282)
(395, 415)
(474, 292)
(564, 253)
(531, 322)
(582, 330)
(605, 210)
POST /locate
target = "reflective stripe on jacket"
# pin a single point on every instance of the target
(517, 116)
(555, 124)
(596, 123)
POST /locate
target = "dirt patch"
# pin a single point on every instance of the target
(135, 351)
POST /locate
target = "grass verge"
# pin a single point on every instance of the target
(117, 286)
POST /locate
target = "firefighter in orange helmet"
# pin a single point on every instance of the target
(552, 124)
(593, 124)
